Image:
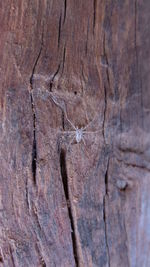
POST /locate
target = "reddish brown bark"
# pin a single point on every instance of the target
(65, 203)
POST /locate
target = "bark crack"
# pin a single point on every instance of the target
(11, 255)
(39, 232)
(65, 10)
(87, 37)
(1, 257)
(135, 32)
(105, 109)
(42, 261)
(104, 212)
(34, 145)
(137, 58)
(53, 78)
(63, 120)
(105, 90)
(64, 58)
(35, 214)
(106, 59)
(59, 31)
(27, 194)
(64, 176)
(94, 14)
(133, 165)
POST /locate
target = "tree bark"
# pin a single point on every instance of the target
(64, 201)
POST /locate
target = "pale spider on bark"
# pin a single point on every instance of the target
(76, 132)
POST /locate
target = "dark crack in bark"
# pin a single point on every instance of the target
(59, 31)
(36, 218)
(11, 255)
(53, 78)
(106, 178)
(63, 120)
(41, 258)
(137, 60)
(104, 212)
(105, 109)
(87, 37)
(94, 14)
(64, 176)
(65, 10)
(105, 90)
(27, 195)
(34, 145)
(133, 165)
(135, 32)
(64, 58)
(106, 59)
(1, 257)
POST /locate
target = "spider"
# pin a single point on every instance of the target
(76, 132)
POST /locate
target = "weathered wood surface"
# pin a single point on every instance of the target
(78, 204)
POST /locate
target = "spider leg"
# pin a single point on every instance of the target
(100, 137)
(68, 132)
(70, 143)
(89, 124)
(70, 122)
(62, 106)
(85, 150)
(90, 132)
(83, 141)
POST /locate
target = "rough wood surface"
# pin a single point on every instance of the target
(64, 203)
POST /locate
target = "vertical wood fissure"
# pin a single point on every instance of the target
(107, 167)
(65, 10)
(59, 31)
(104, 212)
(34, 145)
(11, 255)
(137, 59)
(94, 14)
(64, 176)
(42, 261)
(105, 90)
(135, 31)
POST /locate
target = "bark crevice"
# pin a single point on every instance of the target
(105, 89)
(27, 195)
(105, 109)
(135, 31)
(42, 261)
(65, 10)
(34, 145)
(59, 31)
(64, 58)
(11, 255)
(64, 176)
(53, 78)
(104, 212)
(94, 14)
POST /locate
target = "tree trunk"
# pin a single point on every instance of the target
(74, 133)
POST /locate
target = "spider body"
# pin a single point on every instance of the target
(79, 134)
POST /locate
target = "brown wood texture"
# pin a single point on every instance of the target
(64, 203)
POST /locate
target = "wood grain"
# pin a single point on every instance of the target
(64, 203)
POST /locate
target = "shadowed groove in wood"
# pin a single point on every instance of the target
(34, 146)
(94, 14)
(42, 261)
(104, 212)
(64, 176)
(65, 10)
